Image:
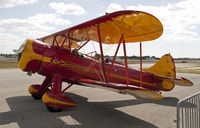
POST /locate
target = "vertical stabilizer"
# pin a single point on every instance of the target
(165, 67)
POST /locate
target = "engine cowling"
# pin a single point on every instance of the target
(31, 54)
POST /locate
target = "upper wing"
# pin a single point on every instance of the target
(136, 26)
(121, 88)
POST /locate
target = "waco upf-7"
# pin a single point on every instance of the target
(57, 57)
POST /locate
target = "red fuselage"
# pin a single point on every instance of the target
(48, 60)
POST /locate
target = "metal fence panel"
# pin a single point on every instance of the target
(188, 112)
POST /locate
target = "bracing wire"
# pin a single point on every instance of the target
(108, 48)
(94, 46)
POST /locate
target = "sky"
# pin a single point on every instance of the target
(22, 19)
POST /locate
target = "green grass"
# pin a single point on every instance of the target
(8, 64)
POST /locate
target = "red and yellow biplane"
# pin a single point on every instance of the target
(57, 57)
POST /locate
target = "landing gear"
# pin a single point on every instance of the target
(37, 91)
(54, 100)
(34, 91)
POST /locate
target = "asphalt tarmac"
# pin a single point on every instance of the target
(96, 108)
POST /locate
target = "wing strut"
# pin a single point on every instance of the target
(69, 41)
(64, 41)
(113, 61)
(101, 49)
(69, 85)
(125, 60)
(140, 64)
(55, 40)
(82, 46)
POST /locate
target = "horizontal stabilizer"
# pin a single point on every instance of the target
(183, 82)
(178, 81)
(123, 89)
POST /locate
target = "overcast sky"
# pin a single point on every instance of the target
(21, 19)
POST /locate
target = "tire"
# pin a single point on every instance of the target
(52, 109)
(36, 97)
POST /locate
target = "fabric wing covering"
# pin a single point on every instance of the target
(135, 26)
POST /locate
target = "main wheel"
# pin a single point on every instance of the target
(36, 97)
(35, 91)
(52, 109)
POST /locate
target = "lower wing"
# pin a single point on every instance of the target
(123, 89)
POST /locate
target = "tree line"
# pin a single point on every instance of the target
(133, 57)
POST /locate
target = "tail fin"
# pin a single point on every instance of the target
(165, 67)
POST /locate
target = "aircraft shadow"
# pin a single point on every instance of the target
(29, 113)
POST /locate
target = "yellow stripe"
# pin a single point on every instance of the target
(80, 67)
(47, 99)
(32, 90)
(46, 59)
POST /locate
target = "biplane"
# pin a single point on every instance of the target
(58, 58)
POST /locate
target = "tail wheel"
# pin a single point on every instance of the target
(56, 102)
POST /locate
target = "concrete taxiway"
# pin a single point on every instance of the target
(96, 108)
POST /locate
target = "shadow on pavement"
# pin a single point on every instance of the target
(29, 113)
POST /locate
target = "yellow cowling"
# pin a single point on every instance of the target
(28, 54)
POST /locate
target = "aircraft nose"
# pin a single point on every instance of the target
(30, 55)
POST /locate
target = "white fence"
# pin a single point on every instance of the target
(188, 112)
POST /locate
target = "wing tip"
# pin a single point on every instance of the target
(185, 82)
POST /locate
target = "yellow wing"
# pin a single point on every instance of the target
(135, 26)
